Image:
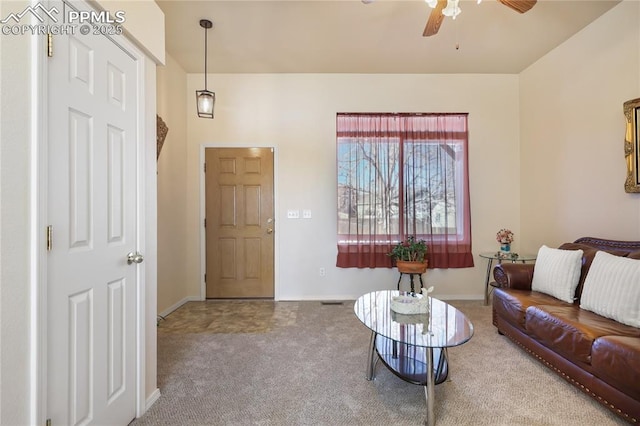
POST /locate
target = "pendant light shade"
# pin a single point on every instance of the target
(205, 99)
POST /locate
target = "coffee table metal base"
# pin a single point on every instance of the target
(417, 365)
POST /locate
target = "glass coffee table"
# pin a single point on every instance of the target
(413, 347)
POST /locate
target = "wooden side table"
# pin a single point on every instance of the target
(499, 256)
(411, 281)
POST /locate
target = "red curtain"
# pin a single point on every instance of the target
(402, 175)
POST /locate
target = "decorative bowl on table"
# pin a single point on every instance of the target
(421, 318)
(411, 304)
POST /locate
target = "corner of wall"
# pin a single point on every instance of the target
(144, 24)
(172, 187)
(570, 123)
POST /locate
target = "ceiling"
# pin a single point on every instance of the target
(348, 36)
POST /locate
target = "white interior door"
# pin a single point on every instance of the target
(92, 169)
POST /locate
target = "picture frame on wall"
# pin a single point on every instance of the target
(631, 148)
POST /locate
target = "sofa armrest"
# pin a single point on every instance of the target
(514, 275)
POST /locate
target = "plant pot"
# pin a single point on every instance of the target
(411, 267)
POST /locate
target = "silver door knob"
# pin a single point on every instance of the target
(134, 258)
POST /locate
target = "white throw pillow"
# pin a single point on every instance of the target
(557, 272)
(612, 288)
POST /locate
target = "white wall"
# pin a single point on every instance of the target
(15, 232)
(572, 134)
(172, 184)
(144, 24)
(296, 113)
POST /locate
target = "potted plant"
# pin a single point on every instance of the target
(409, 256)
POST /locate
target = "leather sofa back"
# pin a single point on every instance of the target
(590, 246)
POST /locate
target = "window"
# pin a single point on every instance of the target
(402, 175)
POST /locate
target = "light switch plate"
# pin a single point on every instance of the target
(293, 214)
(306, 214)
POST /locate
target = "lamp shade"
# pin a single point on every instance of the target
(205, 101)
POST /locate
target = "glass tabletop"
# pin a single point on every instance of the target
(515, 257)
(444, 326)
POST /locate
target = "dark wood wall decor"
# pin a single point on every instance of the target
(161, 134)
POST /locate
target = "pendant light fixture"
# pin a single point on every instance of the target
(205, 99)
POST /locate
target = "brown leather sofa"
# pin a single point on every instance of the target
(598, 355)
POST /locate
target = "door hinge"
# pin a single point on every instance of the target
(47, 422)
(49, 45)
(205, 278)
(49, 237)
(205, 222)
(205, 167)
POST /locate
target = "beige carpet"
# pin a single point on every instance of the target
(303, 363)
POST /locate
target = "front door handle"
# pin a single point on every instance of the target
(134, 258)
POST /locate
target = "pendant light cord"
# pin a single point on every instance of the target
(205, 58)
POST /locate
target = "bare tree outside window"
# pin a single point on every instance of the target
(368, 187)
(401, 175)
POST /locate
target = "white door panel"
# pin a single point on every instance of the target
(93, 121)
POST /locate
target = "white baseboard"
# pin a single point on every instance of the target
(178, 304)
(152, 399)
(459, 297)
(311, 298)
(354, 297)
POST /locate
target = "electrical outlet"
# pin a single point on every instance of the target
(322, 272)
(306, 214)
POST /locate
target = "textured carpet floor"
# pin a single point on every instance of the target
(304, 364)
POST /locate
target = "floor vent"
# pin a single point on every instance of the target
(332, 302)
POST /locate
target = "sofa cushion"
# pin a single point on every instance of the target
(570, 330)
(589, 252)
(612, 288)
(512, 304)
(616, 360)
(557, 272)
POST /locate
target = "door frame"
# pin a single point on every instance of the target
(38, 207)
(203, 211)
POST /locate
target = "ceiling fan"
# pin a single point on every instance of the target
(442, 8)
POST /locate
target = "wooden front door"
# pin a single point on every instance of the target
(239, 222)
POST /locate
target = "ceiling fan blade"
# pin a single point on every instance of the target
(519, 5)
(435, 19)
